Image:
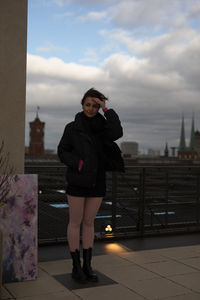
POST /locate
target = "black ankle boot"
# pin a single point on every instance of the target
(77, 272)
(87, 269)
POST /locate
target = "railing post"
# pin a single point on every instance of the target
(167, 196)
(197, 199)
(141, 208)
(114, 199)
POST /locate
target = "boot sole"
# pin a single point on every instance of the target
(91, 279)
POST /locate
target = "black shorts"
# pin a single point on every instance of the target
(99, 190)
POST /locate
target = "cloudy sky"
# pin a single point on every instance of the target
(143, 54)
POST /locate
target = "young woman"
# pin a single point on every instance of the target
(88, 150)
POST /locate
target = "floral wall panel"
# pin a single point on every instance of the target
(18, 220)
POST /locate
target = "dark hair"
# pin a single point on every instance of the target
(93, 93)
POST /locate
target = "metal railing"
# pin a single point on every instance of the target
(143, 200)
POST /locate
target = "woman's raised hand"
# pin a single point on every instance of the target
(100, 102)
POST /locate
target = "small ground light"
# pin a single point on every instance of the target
(108, 228)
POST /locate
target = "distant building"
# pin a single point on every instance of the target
(190, 152)
(173, 149)
(197, 141)
(129, 149)
(36, 154)
(170, 151)
(36, 144)
(153, 153)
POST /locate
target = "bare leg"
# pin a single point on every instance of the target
(90, 210)
(76, 208)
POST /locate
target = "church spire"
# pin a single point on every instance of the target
(166, 150)
(182, 146)
(37, 114)
(192, 137)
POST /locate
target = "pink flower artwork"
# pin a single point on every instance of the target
(18, 221)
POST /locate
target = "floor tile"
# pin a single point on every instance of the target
(42, 273)
(191, 296)
(180, 253)
(142, 257)
(128, 274)
(116, 292)
(43, 285)
(193, 247)
(5, 294)
(197, 248)
(192, 262)
(67, 281)
(56, 267)
(64, 295)
(109, 260)
(158, 288)
(191, 281)
(168, 268)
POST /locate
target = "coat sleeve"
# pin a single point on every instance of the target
(113, 130)
(65, 148)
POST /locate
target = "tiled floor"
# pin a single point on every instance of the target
(170, 273)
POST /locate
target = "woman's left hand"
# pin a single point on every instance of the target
(100, 102)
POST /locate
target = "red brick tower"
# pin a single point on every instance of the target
(36, 145)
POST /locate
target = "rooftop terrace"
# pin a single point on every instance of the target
(131, 269)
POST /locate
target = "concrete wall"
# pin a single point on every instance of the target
(13, 41)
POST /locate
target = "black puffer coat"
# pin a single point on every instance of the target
(77, 143)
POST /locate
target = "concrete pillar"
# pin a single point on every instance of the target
(13, 45)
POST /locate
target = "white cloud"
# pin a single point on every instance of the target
(93, 16)
(56, 69)
(139, 13)
(86, 2)
(153, 16)
(49, 47)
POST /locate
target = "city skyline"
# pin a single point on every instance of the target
(146, 63)
(182, 136)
